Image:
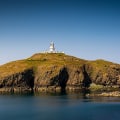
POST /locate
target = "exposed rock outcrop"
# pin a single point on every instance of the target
(55, 72)
(19, 81)
(105, 94)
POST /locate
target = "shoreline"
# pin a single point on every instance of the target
(52, 89)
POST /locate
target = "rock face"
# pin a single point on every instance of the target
(57, 71)
(23, 80)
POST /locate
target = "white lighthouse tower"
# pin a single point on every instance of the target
(52, 48)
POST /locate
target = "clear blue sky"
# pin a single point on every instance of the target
(88, 29)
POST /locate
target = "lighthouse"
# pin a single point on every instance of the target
(52, 48)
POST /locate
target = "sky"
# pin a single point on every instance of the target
(87, 29)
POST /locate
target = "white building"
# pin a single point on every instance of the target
(52, 48)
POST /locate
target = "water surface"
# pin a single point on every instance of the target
(72, 106)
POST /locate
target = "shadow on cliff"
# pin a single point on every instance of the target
(29, 78)
(63, 78)
(86, 81)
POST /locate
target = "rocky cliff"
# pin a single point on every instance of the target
(57, 71)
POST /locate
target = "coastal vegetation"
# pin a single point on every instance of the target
(58, 71)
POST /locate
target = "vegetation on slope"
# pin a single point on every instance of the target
(58, 69)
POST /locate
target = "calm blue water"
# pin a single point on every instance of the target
(58, 107)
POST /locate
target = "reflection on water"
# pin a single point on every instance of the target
(58, 106)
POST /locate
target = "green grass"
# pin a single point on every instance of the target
(53, 59)
(95, 87)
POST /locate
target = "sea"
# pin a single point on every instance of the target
(58, 106)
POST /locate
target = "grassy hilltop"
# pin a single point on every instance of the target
(57, 71)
